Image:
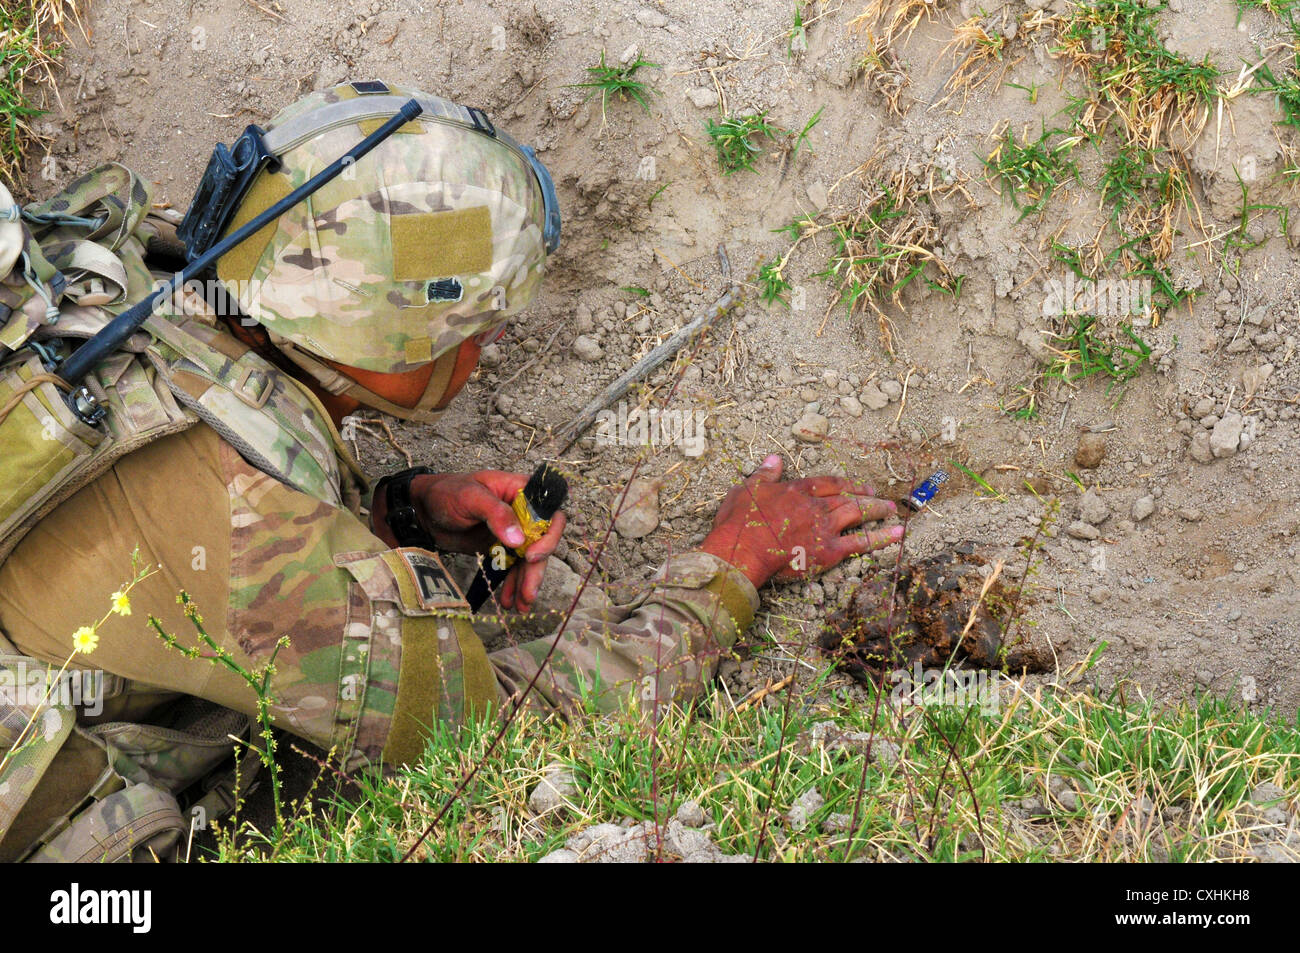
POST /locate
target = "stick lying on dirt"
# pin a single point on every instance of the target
(768, 689)
(570, 432)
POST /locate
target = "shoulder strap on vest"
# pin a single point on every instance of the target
(80, 246)
(260, 410)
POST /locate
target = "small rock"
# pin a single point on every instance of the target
(1272, 852)
(692, 846)
(1035, 341)
(580, 841)
(891, 389)
(834, 738)
(1254, 378)
(1068, 799)
(1200, 449)
(1190, 513)
(490, 356)
(612, 844)
(703, 97)
(808, 803)
(1249, 689)
(587, 348)
(640, 509)
(561, 856)
(811, 428)
(1099, 594)
(556, 787)
(1033, 807)
(1267, 792)
(1081, 530)
(1093, 509)
(874, 397)
(1092, 448)
(835, 823)
(1143, 507)
(691, 814)
(651, 18)
(629, 54)
(852, 406)
(818, 195)
(1227, 435)
(624, 847)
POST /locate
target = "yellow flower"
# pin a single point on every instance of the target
(121, 603)
(85, 640)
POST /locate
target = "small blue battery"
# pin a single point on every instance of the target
(926, 489)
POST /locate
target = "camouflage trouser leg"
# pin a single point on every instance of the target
(369, 637)
(664, 646)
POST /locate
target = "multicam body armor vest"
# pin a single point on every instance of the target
(83, 257)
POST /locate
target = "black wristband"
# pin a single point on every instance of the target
(401, 515)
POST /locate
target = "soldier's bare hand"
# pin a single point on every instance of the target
(468, 512)
(769, 528)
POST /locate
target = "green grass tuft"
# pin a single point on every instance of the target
(1032, 169)
(618, 81)
(1084, 353)
(736, 139)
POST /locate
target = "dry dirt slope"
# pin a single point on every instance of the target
(1198, 594)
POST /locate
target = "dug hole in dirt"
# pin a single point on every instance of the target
(1182, 553)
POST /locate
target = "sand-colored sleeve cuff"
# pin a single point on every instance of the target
(713, 590)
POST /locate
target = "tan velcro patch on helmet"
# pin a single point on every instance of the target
(412, 128)
(437, 244)
(238, 263)
(419, 350)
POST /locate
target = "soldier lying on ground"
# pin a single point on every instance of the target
(381, 296)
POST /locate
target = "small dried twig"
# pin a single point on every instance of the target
(364, 424)
(771, 688)
(269, 12)
(567, 435)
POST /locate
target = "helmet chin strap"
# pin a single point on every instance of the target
(336, 382)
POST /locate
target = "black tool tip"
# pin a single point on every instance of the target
(546, 491)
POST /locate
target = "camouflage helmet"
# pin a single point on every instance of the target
(437, 235)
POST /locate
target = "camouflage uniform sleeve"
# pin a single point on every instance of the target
(664, 645)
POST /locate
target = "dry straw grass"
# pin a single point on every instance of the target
(31, 32)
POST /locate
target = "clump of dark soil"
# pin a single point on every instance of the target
(948, 609)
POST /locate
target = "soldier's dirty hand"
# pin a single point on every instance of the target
(468, 512)
(767, 527)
